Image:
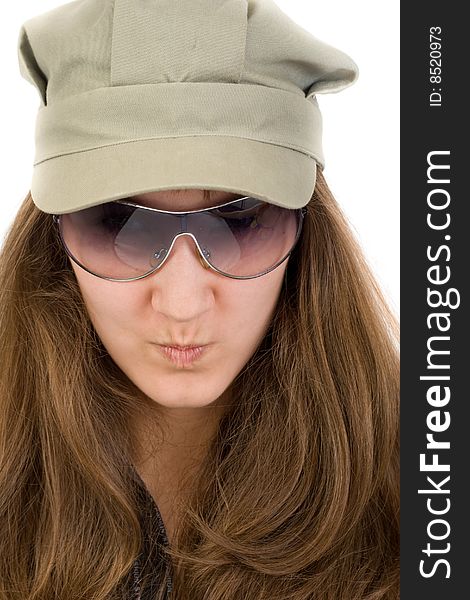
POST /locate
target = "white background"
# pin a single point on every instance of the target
(361, 123)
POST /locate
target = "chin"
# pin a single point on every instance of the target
(187, 397)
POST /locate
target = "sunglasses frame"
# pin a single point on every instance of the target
(302, 212)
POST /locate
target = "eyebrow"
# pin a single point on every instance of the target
(211, 203)
(133, 200)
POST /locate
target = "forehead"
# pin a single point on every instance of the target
(184, 199)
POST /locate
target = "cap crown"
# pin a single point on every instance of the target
(89, 44)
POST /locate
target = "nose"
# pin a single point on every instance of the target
(180, 290)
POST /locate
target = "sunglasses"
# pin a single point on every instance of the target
(123, 241)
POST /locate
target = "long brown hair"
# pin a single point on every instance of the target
(298, 496)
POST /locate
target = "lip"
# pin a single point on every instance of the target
(183, 356)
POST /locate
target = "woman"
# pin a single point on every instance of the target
(263, 463)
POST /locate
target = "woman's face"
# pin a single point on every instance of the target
(181, 303)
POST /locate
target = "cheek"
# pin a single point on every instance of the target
(253, 306)
(107, 309)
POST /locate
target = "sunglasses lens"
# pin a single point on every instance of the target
(246, 240)
(118, 241)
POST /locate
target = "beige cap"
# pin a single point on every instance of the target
(146, 95)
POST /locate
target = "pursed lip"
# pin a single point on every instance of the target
(183, 356)
(178, 347)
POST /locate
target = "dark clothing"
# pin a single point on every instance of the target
(151, 568)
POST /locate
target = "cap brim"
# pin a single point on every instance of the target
(273, 173)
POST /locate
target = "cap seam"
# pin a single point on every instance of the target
(73, 97)
(243, 61)
(300, 149)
